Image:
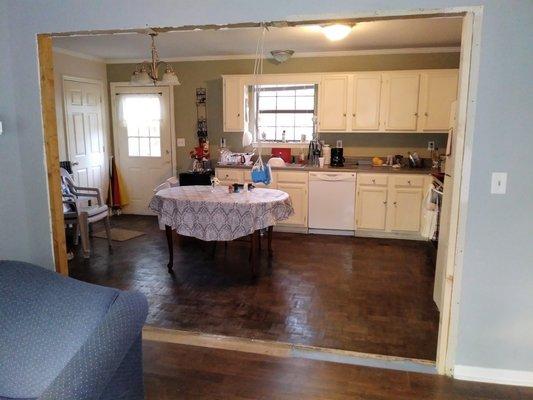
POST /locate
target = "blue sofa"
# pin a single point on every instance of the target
(65, 339)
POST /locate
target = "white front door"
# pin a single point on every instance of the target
(85, 133)
(142, 137)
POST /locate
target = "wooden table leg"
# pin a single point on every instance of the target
(269, 235)
(168, 231)
(253, 253)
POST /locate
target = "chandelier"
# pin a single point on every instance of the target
(147, 73)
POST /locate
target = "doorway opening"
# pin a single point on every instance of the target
(457, 190)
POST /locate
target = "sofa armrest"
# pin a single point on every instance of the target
(87, 374)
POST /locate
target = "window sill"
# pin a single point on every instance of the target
(290, 145)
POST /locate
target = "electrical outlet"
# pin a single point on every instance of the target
(431, 145)
(180, 142)
(499, 183)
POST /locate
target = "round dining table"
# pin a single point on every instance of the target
(217, 214)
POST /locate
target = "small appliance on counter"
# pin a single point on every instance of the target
(337, 157)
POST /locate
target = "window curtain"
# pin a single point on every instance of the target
(139, 109)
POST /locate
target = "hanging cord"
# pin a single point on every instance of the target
(256, 89)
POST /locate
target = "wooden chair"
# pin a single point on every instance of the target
(78, 214)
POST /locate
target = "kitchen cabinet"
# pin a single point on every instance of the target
(371, 207)
(332, 108)
(399, 101)
(229, 176)
(366, 99)
(296, 185)
(438, 90)
(233, 104)
(405, 209)
(390, 202)
(292, 182)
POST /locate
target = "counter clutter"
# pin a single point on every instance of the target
(360, 200)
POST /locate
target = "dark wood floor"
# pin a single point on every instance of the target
(366, 295)
(174, 371)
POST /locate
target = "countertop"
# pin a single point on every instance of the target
(346, 168)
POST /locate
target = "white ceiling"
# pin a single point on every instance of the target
(375, 35)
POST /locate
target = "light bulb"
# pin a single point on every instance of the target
(336, 32)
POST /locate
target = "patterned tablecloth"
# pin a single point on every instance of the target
(214, 214)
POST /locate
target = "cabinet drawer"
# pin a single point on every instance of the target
(409, 181)
(231, 175)
(372, 179)
(292, 177)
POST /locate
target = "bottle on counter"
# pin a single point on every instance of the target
(326, 153)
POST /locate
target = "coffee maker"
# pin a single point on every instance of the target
(337, 158)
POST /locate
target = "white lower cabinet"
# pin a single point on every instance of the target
(384, 203)
(295, 183)
(371, 207)
(389, 203)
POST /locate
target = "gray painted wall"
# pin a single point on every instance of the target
(495, 313)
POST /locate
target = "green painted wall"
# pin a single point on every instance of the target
(194, 74)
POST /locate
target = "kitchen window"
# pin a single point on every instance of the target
(286, 112)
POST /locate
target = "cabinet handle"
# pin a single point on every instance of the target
(238, 114)
(395, 204)
(344, 114)
(415, 114)
(353, 115)
(373, 181)
(425, 114)
(409, 182)
(385, 202)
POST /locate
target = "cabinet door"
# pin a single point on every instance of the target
(400, 101)
(405, 209)
(366, 102)
(333, 103)
(229, 176)
(438, 90)
(371, 207)
(233, 104)
(298, 194)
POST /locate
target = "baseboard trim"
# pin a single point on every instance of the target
(287, 350)
(492, 375)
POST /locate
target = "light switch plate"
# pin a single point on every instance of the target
(180, 142)
(498, 183)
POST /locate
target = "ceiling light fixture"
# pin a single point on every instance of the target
(282, 55)
(147, 73)
(336, 32)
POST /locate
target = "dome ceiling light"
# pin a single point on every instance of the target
(336, 32)
(282, 55)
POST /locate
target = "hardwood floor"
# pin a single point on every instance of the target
(174, 371)
(359, 294)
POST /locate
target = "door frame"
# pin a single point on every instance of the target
(105, 122)
(113, 86)
(468, 82)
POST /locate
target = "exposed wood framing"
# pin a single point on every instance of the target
(46, 70)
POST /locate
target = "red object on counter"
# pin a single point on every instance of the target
(283, 152)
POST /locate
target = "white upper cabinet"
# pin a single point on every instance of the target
(333, 106)
(400, 101)
(366, 101)
(233, 104)
(438, 90)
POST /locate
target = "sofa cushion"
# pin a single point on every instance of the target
(45, 319)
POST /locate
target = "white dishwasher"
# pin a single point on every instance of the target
(332, 201)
